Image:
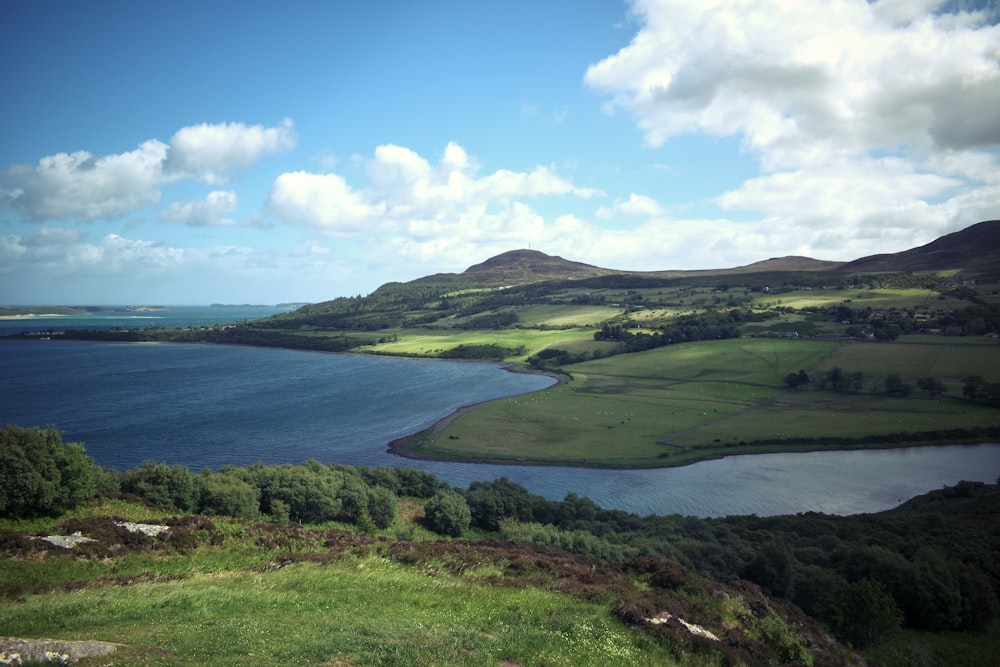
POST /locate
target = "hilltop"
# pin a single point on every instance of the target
(972, 252)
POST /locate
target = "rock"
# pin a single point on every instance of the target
(64, 541)
(15, 651)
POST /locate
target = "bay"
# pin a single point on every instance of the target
(208, 406)
(173, 316)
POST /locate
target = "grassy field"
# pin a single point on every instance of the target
(366, 610)
(940, 358)
(678, 404)
(233, 592)
(431, 342)
(565, 316)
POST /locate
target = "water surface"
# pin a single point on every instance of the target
(208, 406)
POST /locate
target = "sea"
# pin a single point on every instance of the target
(137, 317)
(207, 406)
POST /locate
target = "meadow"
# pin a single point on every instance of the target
(682, 403)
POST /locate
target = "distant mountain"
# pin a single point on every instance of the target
(790, 263)
(973, 251)
(519, 266)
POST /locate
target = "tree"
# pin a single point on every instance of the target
(42, 475)
(226, 494)
(860, 613)
(169, 486)
(972, 385)
(447, 513)
(932, 386)
(772, 570)
(381, 506)
(894, 386)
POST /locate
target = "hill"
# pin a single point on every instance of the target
(519, 266)
(974, 252)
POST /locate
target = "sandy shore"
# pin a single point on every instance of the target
(28, 316)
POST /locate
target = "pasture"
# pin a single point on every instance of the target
(676, 404)
(565, 316)
(432, 342)
(946, 360)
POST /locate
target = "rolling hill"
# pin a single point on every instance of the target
(973, 252)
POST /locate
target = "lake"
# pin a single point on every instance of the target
(208, 406)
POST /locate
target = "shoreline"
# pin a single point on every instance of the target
(400, 446)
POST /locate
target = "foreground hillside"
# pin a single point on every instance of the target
(336, 565)
(221, 592)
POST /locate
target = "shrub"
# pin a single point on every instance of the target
(382, 506)
(168, 486)
(229, 496)
(41, 474)
(447, 513)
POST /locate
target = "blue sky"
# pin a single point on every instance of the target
(184, 153)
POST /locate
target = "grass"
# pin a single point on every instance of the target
(252, 593)
(366, 610)
(949, 362)
(683, 403)
(431, 342)
(565, 316)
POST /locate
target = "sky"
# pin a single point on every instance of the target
(261, 152)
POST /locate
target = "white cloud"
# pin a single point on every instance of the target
(406, 193)
(323, 201)
(869, 120)
(82, 186)
(85, 187)
(636, 206)
(208, 212)
(782, 73)
(213, 151)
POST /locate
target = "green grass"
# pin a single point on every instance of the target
(946, 360)
(366, 610)
(431, 342)
(764, 361)
(678, 404)
(815, 414)
(565, 316)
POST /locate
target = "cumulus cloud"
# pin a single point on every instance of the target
(208, 212)
(860, 114)
(212, 152)
(406, 192)
(84, 187)
(67, 252)
(636, 206)
(323, 201)
(872, 75)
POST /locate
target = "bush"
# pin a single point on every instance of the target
(168, 486)
(861, 613)
(229, 496)
(448, 514)
(382, 506)
(42, 475)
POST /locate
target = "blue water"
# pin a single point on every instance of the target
(208, 406)
(176, 316)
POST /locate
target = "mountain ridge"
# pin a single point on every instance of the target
(973, 252)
